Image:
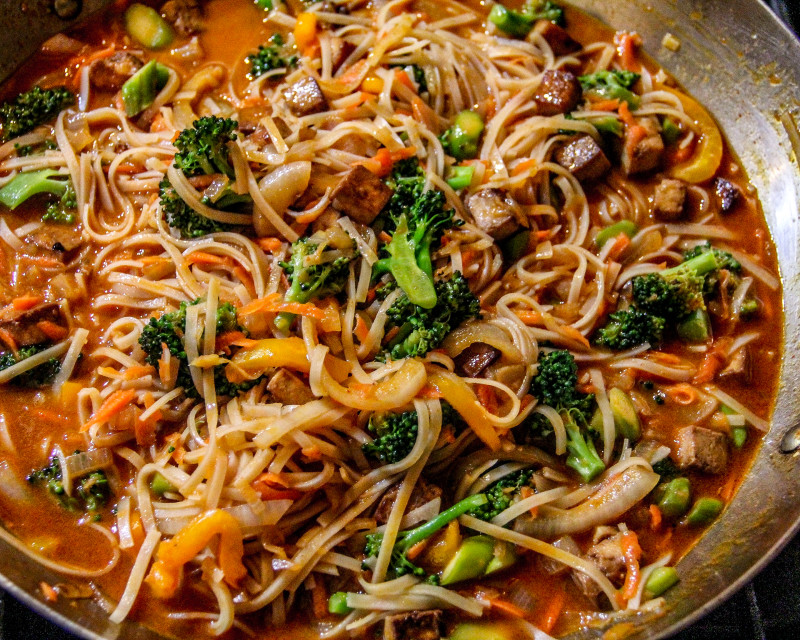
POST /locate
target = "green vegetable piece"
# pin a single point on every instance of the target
(478, 631)
(504, 557)
(608, 126)
(704, 511)
(460, 177)
(461, 140)
(670, 131)
(660, 580)
(696, 327)
(511, 22)
(337, 604)
(28, 184)
(749, 308)
(141, 89)
(673, 497)
(147, 27)
(612, 85)
(626, 420)
(516, 246)
(470, 560)
(628, 227)
(160, 485)
(32, 108)
(414, 282)
(266, 5)
(739, 436)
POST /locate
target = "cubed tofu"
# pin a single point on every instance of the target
(559, 92)
(494, 212)
(644, 153)
(583, 158)
(185, 15)
(414, 625)
(361, 195)
(669, 199)
(304, 97)
(559, 40)
(58, 238)
(472, 361)
(608, 557)
(109, 74)
(738, 366)
(423, 493)
(24, 326)
(702, 449)
(287, 388)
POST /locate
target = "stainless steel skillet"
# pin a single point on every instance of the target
(738, 60)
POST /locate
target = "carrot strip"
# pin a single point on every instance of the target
(429, 393)
(522, 167)
(506, 607)
(655, 517)
(710, 367)
(402, 77)
(627, 46)
(201, 257)
(48, 592)
(606, 105)
(573, 334)
(26, 303)
(7, 339)
(271, 493)
(632, 552)
(488, 398)
(225, 340)
(52, 330)
(552, 613)
(270, 244)
(529, 317)
(621, 242)
(138, 371)
(319, 600)
(361, 329)
(115, 403)
(681, 393)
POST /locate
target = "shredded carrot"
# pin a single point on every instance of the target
(361, 330)
(384, 237)
(529, 317)
(246, 278)
(204, 258)
(429, 393)
(632, 552)
(49, 593)
(626, 116)
(115, 403)
(127, 168)
(271, 493)
(621, 242)
(710, 367)
(467, 257)
(417, 549)
(678, 154)
(8, 340)
(606, 105)
(523, 167)
(319, 600)
(26, 303)
(137, 371)
(158, 124)
(681, 393)
(245, 343)
(273, 304)
(225, 340)
(43, 261)
(423, 114)
(655, 517)
(49, 416)
(312, 453)
(354, 73)
(52, 330)
(488, 398)
(664, 358)
(552, 612)
(402, 77)
(273, 479)
(506, 607)
(270, 244)
(726, 492)
(573, 334)
(92, 57)
(627, 46)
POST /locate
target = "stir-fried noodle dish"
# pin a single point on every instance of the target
(404, 319)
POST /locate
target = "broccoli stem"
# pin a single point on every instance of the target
(583, 456)
(425, 531)
(701, 264)
(29, 184)
(410, 276)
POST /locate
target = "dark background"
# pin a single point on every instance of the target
(766, 609)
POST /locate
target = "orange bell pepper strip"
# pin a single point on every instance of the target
(172, 554)
(463, 399)
(282, 352)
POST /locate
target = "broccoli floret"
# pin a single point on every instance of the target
(65, 210)
(91, 492)
(400, 565)
(666, 468)
(555, 385)
(420, 329)
(612, 85)
(675, 293)
(202, 150)
(269, 57)
(502, 493)
(40, 376)
(32, 108)
(416, 219)
(396, 433)
(630, 328)
(169, 328)
(311, 275)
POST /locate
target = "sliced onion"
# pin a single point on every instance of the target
(426, 512)
(81, 464)
(124, 523)
(468, 334)
(11, 486)
(618, 494)
(251, 518)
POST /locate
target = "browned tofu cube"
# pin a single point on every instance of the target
(414, 625)
(109, 74)
(702, 449)
(559, 40)
(361, 195)
(287, 388)
(669, 199)
(645, 152)
(304, 97)
(23, 326)
(584, 158)
(559, 92)
(423, 493)
(494, 212)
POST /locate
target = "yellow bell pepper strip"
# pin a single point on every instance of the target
(463, 399)
(305, 32)
(707, 157)
(281, 352)
(164, 576)
(396, 390)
